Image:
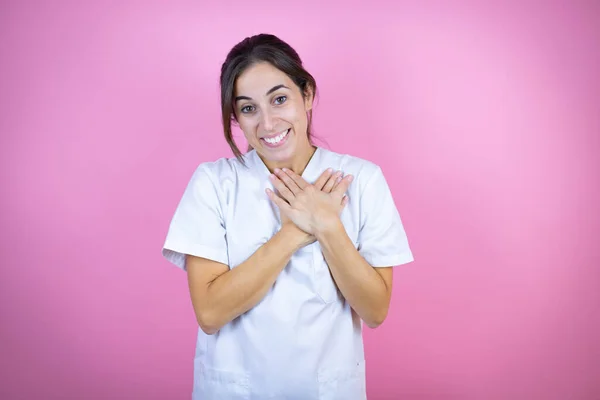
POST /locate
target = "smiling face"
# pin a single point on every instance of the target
(272, 113)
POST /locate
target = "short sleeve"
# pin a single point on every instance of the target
(382, 240)
(197, 227)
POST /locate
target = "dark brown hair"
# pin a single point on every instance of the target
(253, 50)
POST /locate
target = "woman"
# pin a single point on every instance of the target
(284, 257)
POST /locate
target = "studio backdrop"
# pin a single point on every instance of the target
(484, 117)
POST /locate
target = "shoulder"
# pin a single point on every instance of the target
(362, 169)
(219, 170)
(212, 180)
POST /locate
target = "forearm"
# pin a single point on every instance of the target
(240, 289)
(363, 288)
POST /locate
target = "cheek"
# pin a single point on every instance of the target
(247, 126)
(296, 115)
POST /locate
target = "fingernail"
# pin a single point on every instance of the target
(277, 170)
(350, 178)
(329, 170)
(339, 178)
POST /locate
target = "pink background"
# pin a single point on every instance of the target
(485, 119)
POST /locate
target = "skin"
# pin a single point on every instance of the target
(368, 290)
(267, 103)
(262, 111)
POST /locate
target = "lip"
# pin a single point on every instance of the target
(275, 134)
(274, 145)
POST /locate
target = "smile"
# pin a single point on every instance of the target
(276, 140)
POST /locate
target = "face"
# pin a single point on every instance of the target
(271, 111)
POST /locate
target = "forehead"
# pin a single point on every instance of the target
(257, 79)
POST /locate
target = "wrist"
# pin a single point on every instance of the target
(293, 235)
(328, 225)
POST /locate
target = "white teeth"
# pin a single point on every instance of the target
(277, 138)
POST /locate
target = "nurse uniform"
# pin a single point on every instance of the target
(302, 341)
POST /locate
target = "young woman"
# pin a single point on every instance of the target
(286, 256)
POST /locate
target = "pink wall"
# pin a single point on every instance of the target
(485, 118)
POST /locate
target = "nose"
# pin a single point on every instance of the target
(267, 121)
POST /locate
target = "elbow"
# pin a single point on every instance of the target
(373, 324)
(207, 324)
(209, 330)
(376, 320)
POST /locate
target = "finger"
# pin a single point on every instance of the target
(332, 182)
(323, 178)
(279, 202)
(344, 201)
(337, 181)
(282, 189)
(343, 185)
(298, 180)
(288, 181)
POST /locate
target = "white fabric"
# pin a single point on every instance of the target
(302, 340)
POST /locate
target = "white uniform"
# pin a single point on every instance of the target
(302, 340)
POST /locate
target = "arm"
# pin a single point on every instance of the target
(368, 290)
(220, 295)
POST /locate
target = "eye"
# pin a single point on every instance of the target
(280, 99)
(247, 109)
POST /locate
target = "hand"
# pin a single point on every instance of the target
(326, 183)
(311, 208)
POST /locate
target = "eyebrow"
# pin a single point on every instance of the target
(274, 88)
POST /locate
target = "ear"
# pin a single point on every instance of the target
(308, 98)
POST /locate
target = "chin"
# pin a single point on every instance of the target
(278, 155)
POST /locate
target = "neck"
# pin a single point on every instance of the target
(297, 164)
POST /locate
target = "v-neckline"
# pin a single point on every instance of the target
(307, 174)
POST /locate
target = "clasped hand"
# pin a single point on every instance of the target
(311, 207)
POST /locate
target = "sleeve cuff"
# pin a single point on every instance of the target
(175, 253)
(390, 261)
